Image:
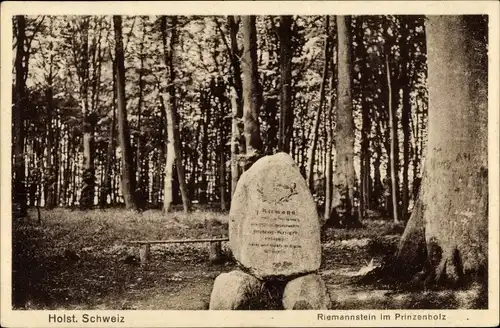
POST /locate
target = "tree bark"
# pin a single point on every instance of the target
(222, 179)
(19, 205)
(128, 176)
(172, 116)
(51, 179)
(110, 157)
(286, 112)
(89, 120)
(251, 90)
(365, 165)
(233, 23)
(406, 114)
(170, 153)
(311, 156)
(393, 147)
(235, 134)
(205, 100)
(345, 214)
(454, 191)
(377, 176)
(141, 170)
(186, 203)
(328, 165)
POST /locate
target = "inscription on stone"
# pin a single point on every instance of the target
(275, 230)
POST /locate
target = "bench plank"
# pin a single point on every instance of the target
(176, 241)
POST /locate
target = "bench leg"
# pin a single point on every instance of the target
(144, 254)
(215, 252)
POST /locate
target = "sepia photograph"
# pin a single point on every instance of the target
(328, 161)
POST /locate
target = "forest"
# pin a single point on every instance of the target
(160, 115)
(76, 109)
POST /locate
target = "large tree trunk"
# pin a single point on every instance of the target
(251, 90)
(286, 112)
(311, 156)
(19, 206)
(453, 217)
(344, 213)
(128, 176)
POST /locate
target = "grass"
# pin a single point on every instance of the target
(46, 277)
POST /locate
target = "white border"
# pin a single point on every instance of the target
(456, 318)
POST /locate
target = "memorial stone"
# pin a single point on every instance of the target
(274, 229)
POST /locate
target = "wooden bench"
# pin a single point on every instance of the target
(215, 250)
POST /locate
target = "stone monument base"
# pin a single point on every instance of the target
(238, 290)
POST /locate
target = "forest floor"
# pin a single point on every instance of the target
(75, 260)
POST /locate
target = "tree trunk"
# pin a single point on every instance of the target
(345, 214)
(205, 99)
(19, 206)
(238, 84)
(128, 176)
(110, 157)
(251, 90)
(416, 154)
(222, 179)
(173, 154)
(405, 118)
(175, 119)
(365, 165)
(454, 213)
(170, 154)
(51, 178)
(57, 160)
(67, 168)
(311, 156)
(393, 147)
(286, 112)
(141, 170)
(88, 169)
(377, 176)
(237, 140)
(329, 167)
(235, 134)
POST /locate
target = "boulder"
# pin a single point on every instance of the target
(237, 290)
(274, 228)
(306, 293)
